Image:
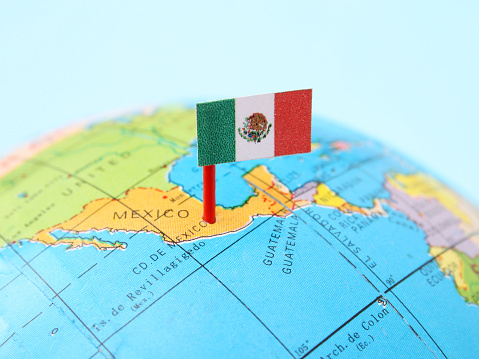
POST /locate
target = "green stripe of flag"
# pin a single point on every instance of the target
(216, 132)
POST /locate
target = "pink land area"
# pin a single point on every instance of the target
(306, 192)
(24, 153)
(28, 151)
(442, 227)
(341, 145)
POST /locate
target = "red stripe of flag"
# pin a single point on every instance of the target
(292, 121)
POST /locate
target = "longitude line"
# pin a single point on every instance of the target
(431, 260)
(69, 231)
(389, 289)
(361, 262)
(436, 230)
(10, 281)
(184, 250)
(156, 300)
(40, 163)
(302, 209)
(8, 339)
(429, 335)
(61, 299)
(341, 327)
(217, 279)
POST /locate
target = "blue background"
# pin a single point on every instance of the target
(404, 72)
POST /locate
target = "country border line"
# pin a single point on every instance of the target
(357, 165)
(332, 177)
(42, 163)
(435, 231)
(212, 258)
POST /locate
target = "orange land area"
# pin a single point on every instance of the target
(177, 217)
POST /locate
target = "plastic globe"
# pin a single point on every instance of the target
(348, 251)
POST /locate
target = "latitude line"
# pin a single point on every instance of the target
(171, 241)
(69, 231)
(217, 279)
(94, 355)
(61, 299)
(58, 169)
(110, 252)
(435, 231)
(85, 272)
(31, 320)
(185, 200)
(323, 237)
(197, 269)
(11, 281)
(341, 326)
(1, 345)
(420, 324)
(138, 232)
(223, 284)
(239, 239)
(250, 310)
(388, 288)
(431, 260)
(41, 163)
(144, 310)
(363, 263)
(317, 232)
(288, 201)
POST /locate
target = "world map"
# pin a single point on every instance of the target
(348, 251)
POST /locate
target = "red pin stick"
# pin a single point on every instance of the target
(209, 198)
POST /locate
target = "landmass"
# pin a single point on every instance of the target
(67, 187)
(94, 162)
(451, 225)
(463, 269)
(177, 217)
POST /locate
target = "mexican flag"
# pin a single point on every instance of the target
(253, 127)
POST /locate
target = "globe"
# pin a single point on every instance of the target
(350, 251)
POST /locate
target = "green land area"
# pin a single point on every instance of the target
(470, 273)
(102, 161)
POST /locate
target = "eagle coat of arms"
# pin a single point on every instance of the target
(255, 128)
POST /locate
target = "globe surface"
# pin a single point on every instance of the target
(349, 251)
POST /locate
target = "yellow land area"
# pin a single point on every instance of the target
(422, 185)
(172, 214)
(177, 217)
(324, 196)
(451, 264)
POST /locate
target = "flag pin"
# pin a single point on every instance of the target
(248, 128)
